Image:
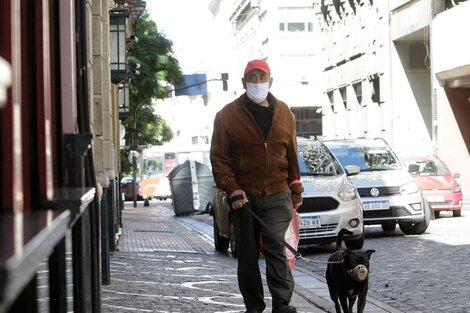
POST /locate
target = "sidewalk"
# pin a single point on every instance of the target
(164, 264)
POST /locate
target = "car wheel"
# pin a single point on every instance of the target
(389, 225)
(411, 228)
(208, 208)
(233, 241)
(221, 243)
(146, 202)
(355, 244)
(436, 214)
(457, 213)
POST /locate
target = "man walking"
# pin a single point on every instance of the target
(254, 160)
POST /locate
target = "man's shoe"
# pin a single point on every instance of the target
(285, 309)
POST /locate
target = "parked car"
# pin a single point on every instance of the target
(330, 202)
(224, 231)
(440, 187)
(388, 192)
(127, 191)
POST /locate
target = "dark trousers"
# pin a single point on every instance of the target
(276, 212)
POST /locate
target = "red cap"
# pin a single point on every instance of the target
(257, 64)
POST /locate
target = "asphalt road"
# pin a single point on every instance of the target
(415, 274)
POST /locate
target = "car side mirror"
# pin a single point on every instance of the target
(352, 170)
(456, 175)
(413, 168)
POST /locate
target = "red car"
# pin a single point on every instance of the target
(440, 188)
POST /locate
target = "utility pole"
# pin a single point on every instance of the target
(135, 144)
(134, 179)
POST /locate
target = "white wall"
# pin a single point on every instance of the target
(451, 59)
(451, 50)
(409, 88)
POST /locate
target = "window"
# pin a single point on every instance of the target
(358, 90)
(296, 27)
(331, 97)
(316, 159)
(367, 158)
(375, 81)
(308, 120)
(344, 96)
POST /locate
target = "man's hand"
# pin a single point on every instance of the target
(237, 204)
(297, 205)
(296, 189)
(296, 200)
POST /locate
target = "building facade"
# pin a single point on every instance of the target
(59, 109)
(391, 70)
(451, 88)
(286, 35)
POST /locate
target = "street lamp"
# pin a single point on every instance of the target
(123, 100)
(117, 49)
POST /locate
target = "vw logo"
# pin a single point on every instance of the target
(374, 192)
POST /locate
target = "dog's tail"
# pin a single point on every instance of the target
(339, 239)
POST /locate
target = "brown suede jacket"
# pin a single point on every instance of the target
(240, 157)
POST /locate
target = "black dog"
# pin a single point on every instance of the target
(347, 276)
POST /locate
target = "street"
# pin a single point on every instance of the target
(414, 274)
(425, 273)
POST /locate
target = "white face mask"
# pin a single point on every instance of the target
(257, 92)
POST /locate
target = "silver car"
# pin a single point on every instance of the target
(389, 193)
(330, 202)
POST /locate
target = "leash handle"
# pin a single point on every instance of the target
(231, 200)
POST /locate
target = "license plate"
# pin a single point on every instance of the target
(435, 199)
(376, 205)
(310, 222)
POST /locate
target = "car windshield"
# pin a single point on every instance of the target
(367, 158)
(429, 168)
(316, 160)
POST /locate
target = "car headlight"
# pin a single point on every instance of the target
(411, 187)
(348, 192)
(456, 188)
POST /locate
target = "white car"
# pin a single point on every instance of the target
(330, 202)
(155, 187)
(389, 193)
